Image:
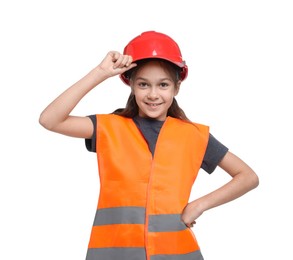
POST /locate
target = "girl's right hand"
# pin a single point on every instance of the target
(56, 116)
(116, 63)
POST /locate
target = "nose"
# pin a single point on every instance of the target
(152, 94)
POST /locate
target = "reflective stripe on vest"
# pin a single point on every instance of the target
(142, 197)
(136, 215)
(135, 254)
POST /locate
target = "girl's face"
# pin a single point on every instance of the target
(154, 89)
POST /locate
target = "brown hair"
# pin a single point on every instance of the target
(131, 109)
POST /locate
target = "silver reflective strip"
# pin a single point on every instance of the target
(166, 222)
(120, 215)
(191, 256)
(116, 253)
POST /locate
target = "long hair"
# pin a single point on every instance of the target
(131, 109)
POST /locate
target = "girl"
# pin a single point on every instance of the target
(149, 154)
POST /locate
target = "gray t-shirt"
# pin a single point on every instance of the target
(150, 129)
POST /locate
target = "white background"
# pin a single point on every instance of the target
(240, 82)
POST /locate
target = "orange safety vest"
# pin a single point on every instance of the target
(142, 196)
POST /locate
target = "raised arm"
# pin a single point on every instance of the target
(56, 116)
(243, 180)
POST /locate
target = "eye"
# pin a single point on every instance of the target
(164, 85)
(142, 84)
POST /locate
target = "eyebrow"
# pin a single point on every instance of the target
(162, 79)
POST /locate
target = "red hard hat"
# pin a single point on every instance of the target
(152, 44)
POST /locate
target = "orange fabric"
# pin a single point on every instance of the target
(181, 242)
(124, 162)
(131, 176)
(176, 168)
(121, 193)
(118, 235)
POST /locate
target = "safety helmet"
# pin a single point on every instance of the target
(151, 44)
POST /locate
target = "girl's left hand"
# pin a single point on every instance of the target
(190, 213)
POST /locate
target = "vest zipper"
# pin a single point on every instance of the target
(148, 194)
(147, 212)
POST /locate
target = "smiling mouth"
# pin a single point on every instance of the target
(153, 104)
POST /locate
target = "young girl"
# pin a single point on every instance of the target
(149, 154)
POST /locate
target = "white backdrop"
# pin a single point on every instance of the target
(240, 82)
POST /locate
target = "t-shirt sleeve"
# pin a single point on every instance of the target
(214, 154)
(91, 142)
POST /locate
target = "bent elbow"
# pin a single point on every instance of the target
(45, 122)
(254, 180)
